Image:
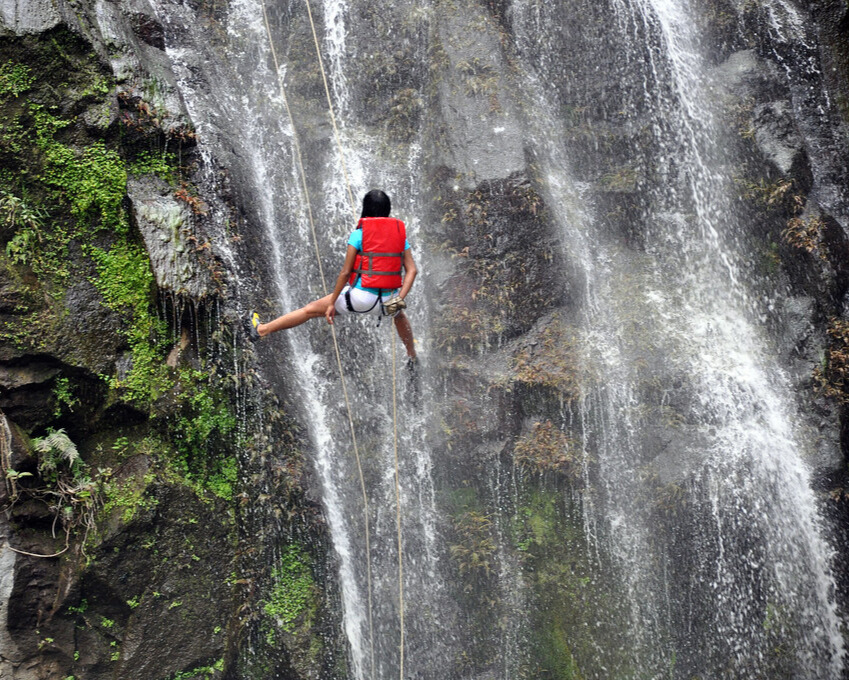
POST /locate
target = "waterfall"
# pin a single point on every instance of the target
(676, 332)
(696, 508)
(247, 126)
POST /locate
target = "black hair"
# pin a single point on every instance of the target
(376, 204)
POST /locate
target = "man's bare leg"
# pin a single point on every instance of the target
(405, 332)
(311, 311)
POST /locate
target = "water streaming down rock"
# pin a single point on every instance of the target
(700, 526)
(692, 396)
(248, 128)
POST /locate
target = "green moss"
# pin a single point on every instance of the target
(556, 655)
(575, 620)
(201, 672)
(15, 79)
(128, 497)
(293, 591)
(201, 428)
(63, 396)
(162, 165)
(547, 449)
(93, 181)
(126, 282)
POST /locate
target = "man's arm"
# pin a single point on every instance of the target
(410, 271)
(344, 275)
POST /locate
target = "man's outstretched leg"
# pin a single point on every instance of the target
(311, 311)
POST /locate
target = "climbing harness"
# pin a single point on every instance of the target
(305, 189)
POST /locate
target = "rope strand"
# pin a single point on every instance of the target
(392, 340)
(299, 159)
(397, 502)
(336, 344)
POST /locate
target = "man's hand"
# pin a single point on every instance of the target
(330, 313)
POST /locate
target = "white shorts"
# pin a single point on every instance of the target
(361, 300)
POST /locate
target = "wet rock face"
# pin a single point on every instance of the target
(481, 124)
(29, 16)
(154, 603)
(165, 224)
(502, 299)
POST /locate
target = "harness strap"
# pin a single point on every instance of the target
(376, 273)
(367, 257)
(350, 305)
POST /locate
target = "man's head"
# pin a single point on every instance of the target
(376, 204)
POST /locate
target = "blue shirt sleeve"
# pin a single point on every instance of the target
(356, 239)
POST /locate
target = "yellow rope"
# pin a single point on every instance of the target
(332, 329)
(397, 501)
(392, 340)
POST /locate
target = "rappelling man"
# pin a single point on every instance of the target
(370, 281)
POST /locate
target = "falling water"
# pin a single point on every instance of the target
(683, 319)
(252, 120)
(688, 423)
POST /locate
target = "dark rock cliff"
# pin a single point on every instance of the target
(184, 515)
(155, 497)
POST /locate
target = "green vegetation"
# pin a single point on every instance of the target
(547, 449)
(128, 496)
(63, 397)
(68, 243)
(15, 79)
(80, 608)
(832, 377)
(88, 183)
(162, 165)
(765, 194)
(126, 282)
(574, 617)
(200, 673)
(202, 425)
(552, 362)
(621, 180)
(474, 550)
(293, 592)
(807, 234)
(66, 487)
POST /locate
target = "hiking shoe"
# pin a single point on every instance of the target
(411, 365)
(250, 326)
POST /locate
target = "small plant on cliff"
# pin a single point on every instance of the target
(70, 493)
(203, 424)
(552, 363)
(766, 194)
(832, 377)
(475, 549)
(126, 282)
(15, 79)
(546, 449)
(27, 220)
(806, 234)
(56, 450)
(293, 589)
(63, 396)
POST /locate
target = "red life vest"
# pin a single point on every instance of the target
(379, 263)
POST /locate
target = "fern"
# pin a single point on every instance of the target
(55, 449)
